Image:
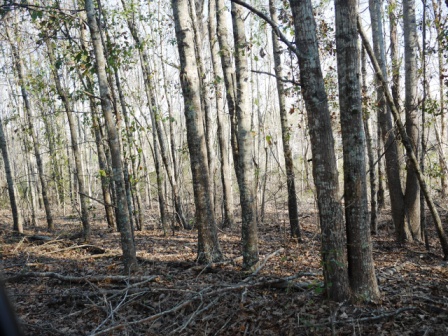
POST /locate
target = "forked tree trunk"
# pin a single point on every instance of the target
(123, 223)
(208, 244)
(361, 270)
(334, 257)
(286, 131)
(226, 181)
(245, 165)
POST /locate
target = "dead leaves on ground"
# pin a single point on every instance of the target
(62, 287)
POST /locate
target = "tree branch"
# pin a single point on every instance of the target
(275, 28)
(279, 78)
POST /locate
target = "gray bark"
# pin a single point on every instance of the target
(208, 244)
(412, 194)
(226, 181)
(74, 141)
(245, 165)
(386, 127)
(361, 269)
(325, 172)
(286, 131)
(17, 220)
(123, 223)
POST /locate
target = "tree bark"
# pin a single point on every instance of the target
(127, 242)
(245, 165)
(17, 220)
(361, 268)
(325, 172)
(226, 181)
(286, 131)
(229, 77)
(387, 130)
(74, 140)
(18, 63)
(412, 195)
(208, 244)
(407, 144)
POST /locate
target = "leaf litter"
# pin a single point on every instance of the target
(64, 287)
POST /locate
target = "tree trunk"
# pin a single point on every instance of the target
(372, 177)
(286, 131)
(245, 144)
(208, 244)
(387, 131)
(17, 220)
(229, 78)
(22, 82)
(155, 120)
(228, 219)
(407, 144)
(412, 195)
(325, 173)
(127, 242)
(361, 268)
(74, 139)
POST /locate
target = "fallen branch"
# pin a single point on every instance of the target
(263, 263)
(203, 294)
(76, 279)
(91, 248)
(364, 319)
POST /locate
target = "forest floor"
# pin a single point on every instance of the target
(63, 287)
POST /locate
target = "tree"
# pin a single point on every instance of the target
(412, 195)
(17, 220)
(386, 127)
(361, 269)
(19, 67)
(127, 240)
(286, 132)
(226, 181)
(245, 164)
(62, 92)
(334, 257)
(208, 244)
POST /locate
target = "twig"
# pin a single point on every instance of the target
(284, 80)
(97, 200)
(19, 244)
(269, 256)
(86, 246)
(83, 279)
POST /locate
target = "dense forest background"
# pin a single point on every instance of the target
(224, 167)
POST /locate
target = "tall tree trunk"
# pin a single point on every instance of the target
(437, 9)
(127, 242)
(387, 131)
(18, 63)
(407, 144)
(412, 195)
(208, 244)
(155, 120)
(229, 78)
(286, 131)
(334, 257)
(395, 88)
(17, 220)
(372, 177)
(226, 181)
(361, 269)
(245, 144)
(74, 140)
